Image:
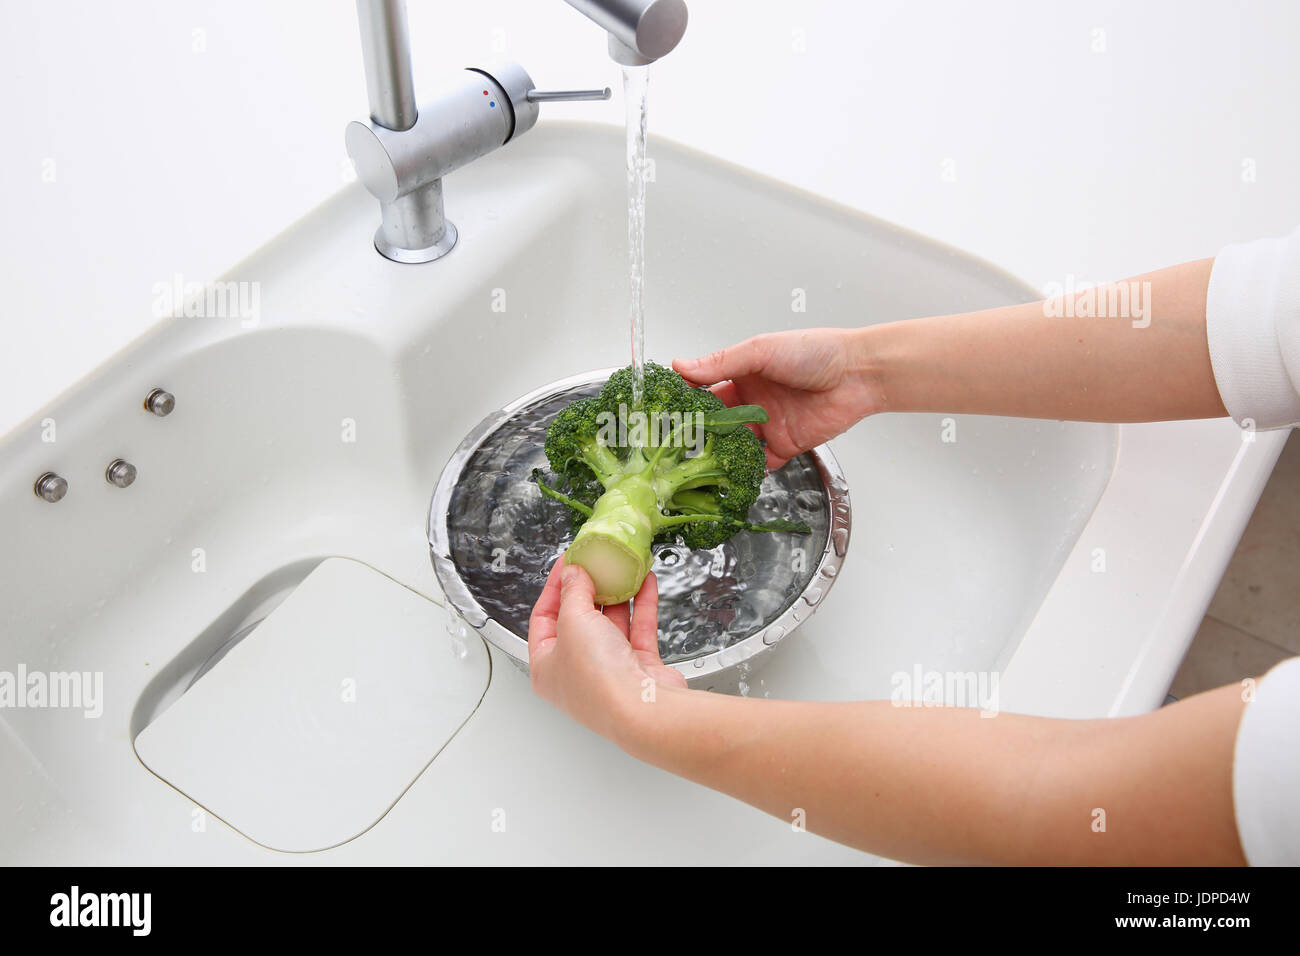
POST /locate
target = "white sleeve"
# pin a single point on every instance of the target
(1266, 770)
(1252, 316)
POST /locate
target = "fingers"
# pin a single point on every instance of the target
(541, 624)
(620, 614)
(577, 593)
(644, 632)
(727, 392)
(745, 358)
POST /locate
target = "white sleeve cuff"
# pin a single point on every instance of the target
(1252, 318)
(1266, 770)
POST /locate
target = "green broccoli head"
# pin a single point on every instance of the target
(662, 390)
(739, 459)
(679, 463)
(665, 398)
(573, 447)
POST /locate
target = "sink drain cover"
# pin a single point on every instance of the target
(311, 728)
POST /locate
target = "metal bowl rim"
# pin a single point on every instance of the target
(694, 669)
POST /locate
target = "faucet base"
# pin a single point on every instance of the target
(414, 228)
(414, 256)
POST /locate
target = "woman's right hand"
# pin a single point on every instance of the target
(814, 384)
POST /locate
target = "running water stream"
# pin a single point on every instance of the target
(636, 81)
(707, 599)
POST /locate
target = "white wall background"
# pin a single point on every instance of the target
(1092, 138)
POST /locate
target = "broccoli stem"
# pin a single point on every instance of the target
(674, 520)
(613, 544)
(670, 442)
(648, 480)
(682, 472)
(604, 464)
(571, 502)
(777, 525)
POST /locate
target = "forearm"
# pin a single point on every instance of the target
(945, 785)
(1146, 358)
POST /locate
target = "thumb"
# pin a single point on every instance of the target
(735, 361)
(577, 592)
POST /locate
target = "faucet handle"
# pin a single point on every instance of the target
(563, 96)
(517, 89)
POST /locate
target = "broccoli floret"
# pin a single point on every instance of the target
(573, 448)
(662, 390)
(679, 463)
(742, 465)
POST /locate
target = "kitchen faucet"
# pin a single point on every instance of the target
(402, 154)
(640, 31)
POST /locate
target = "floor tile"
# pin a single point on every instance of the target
(1260, 592)
(1222, 654)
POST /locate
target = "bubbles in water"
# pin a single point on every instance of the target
(718, 566)
(459, 635)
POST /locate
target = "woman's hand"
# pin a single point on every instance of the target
(814, 384)
(599, 667)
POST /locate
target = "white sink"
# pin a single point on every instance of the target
(978, 555)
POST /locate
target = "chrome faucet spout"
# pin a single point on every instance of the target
(640, 31)
(386, 52)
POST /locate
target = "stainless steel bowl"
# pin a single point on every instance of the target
(493, 537)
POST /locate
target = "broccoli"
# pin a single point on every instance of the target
(678, 463)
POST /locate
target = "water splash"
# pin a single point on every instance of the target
(459, 637)
(636, 84)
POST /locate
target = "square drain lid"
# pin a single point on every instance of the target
(309, 730)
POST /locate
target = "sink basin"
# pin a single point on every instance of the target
(1071, 561)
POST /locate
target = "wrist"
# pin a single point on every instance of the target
(647, 722)
(869, 352)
